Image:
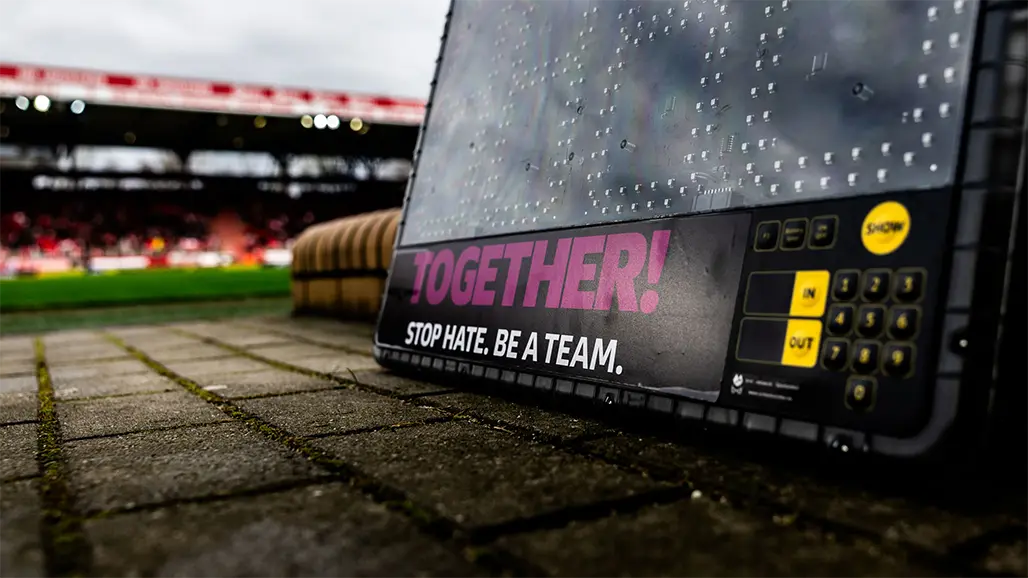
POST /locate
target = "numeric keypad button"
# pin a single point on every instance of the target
(875, 287)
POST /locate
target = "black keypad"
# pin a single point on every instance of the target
(840, 319)
(871, 321)
(903, 322)
(909, 286)
(794, 234)
(835, 354)
(844, 288)
(822, 231)
(860, 393)
(875, 287)
(767, 236)
(885, 325)
(865, 357)
(898, 359)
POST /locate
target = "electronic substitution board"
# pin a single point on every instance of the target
(783, 216)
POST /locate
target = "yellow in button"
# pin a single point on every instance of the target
(802, 342)
(885, 228)
(809, 292)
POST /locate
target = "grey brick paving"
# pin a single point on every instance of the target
(64, 375)
(321, 530)
(548, 423)
(201, 369)
(395, 384)
(340, 365)
(21, 384)
(264, 382)
(441, 483)
(17, 366)
(153, 467)
(897, 519)
(135, 383)
(15, 407)
(118, 415)
(695, 538)
(85, 348)
(21, 553)
(18, 451)
(482, 476)
(336, 412)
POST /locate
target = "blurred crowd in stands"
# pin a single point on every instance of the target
(105, 226)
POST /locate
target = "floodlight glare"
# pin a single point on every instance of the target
(41, 103)
(77, 106)
(332, 121)
(320, 121)
(775, 216)
(22, 102)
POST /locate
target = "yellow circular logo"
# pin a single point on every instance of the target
(885, 228)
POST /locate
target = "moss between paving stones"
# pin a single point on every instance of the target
(434, 525)
(67, 551)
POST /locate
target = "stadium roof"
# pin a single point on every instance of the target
(54, 107)
(202, 95)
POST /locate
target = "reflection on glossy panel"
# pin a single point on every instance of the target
(573, 112)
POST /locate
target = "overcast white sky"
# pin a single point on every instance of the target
(385, 47)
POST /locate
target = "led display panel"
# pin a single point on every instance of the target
(765, 214)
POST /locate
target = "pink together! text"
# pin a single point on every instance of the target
(490, 275)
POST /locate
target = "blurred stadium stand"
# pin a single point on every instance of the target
(112, 171)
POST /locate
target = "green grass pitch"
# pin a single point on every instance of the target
(149, 286)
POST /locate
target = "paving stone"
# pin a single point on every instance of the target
(892, 517)
(20, 384)
(162, 336)
(355, 335)
(358, 343)
(75, 361)
(74, 337)
(235, 335)
(234, 385)
(17, 366)
(547, 422)
(135, 383)
(154, 467)
(117, 415)
(16, 407)
(21, 553)
(18, 451)
(338, 411)
(340, 364)
(321, 530)
(294, 351)
(148, 336)
(396, 384)
(703, 538)
(193, 353)
(200, 369)
(64, 375)
(16, 347)
(306, 325)
(97, 350)
(479, 475)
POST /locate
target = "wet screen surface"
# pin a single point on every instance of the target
(568, 113)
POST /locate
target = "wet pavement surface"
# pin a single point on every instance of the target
(278, 447)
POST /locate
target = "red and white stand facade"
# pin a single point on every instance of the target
(66, 84)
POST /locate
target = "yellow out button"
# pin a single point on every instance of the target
(809, 292)
(802, 342)
(885, 228)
